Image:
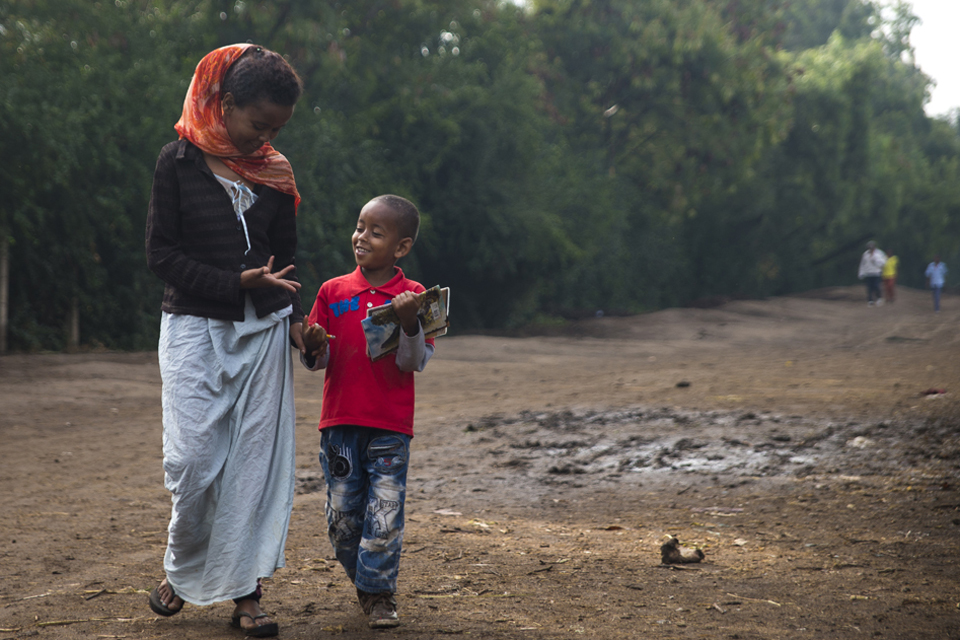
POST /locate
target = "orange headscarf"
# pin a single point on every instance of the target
(202, 124)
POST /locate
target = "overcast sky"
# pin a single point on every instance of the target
(937, 43)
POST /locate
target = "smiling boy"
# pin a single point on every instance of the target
(366, 421)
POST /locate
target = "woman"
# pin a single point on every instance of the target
(222, 218)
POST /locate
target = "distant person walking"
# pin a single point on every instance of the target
(871, 267)
(889, 275)
(936, 275)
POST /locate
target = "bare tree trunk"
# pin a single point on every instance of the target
(4, 289)
(73, 338)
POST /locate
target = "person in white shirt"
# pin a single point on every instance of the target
(871, 268)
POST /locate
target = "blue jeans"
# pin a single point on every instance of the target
(936, 298)
(366, 474)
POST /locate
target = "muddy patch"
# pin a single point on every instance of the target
(645, 445)
(651, 444)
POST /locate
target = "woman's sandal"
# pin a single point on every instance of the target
(157, 604)
(260, 631)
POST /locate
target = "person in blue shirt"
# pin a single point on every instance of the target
(936, 276)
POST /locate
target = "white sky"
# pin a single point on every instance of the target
(936, 44)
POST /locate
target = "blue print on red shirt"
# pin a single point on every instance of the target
(350, 304)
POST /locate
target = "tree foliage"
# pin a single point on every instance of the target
(567, 156)
(808, 24)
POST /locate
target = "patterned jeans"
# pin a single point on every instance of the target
(366, 474)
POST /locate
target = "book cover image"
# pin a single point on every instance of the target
(382, 328)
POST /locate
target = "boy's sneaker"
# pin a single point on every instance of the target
(381, 609)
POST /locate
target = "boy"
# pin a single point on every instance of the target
(366, 421)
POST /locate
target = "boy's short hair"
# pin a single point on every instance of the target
(408, 217)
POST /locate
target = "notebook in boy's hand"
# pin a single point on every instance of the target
(382, 328)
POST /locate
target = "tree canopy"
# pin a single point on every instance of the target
(566, 155)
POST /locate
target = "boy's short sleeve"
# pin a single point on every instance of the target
(318, 314)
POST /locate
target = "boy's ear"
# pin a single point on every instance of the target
(403, 248)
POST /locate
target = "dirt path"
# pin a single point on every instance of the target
(787, 438)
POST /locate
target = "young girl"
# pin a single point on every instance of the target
(221, 233)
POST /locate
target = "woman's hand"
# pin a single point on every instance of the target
(263, 277)
(296, 334)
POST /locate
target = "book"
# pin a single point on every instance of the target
(382, 327)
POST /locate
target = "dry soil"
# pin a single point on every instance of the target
(798, 441)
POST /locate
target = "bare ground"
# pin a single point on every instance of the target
(789, 439)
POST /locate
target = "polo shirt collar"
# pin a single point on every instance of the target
(358, 283)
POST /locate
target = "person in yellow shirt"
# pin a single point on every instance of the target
(889, 275)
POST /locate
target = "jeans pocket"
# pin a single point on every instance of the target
(338, 461)
(389, 454)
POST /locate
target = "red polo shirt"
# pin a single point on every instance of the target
(357, 391)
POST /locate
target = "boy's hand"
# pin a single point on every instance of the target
(407, 306)
(314, 339)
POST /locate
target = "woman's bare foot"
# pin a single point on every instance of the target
(164, 601)
(169, 599)
(250, 618)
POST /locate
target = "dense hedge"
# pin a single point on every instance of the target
(567, 155)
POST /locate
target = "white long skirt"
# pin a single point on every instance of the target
(228, 451)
